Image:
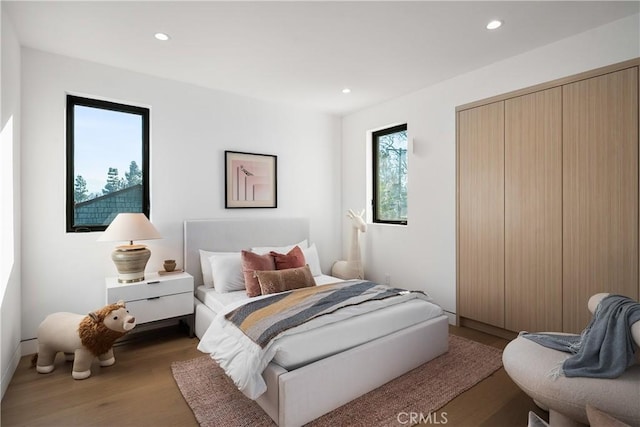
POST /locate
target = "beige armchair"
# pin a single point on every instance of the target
(528, 364)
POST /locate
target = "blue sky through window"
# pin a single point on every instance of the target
(104, 139)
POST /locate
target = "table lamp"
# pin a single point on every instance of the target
(130, 260)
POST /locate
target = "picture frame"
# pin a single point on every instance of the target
(250, 180)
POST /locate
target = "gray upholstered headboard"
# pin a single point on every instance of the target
(233, 235)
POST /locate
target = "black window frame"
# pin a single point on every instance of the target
(72, 101)
(375, 136)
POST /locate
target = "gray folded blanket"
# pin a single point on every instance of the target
(605, 349)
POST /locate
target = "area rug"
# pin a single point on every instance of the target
(215, 401)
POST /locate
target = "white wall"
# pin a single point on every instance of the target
(190, 129)
(10, 327)
(423, 254)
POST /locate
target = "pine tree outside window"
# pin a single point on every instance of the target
(107, 162)
(390, 175)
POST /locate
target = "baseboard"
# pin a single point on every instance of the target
(488, 329)
(11, 369)
(29, 346)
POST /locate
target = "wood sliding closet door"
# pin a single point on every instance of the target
(600, 186)
(533, 211)
(481, 213)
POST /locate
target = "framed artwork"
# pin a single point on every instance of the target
(250, 180)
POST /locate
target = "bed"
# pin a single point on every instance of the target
(298, 390)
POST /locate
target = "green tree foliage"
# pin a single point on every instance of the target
(80, 192)
(134, 176)
(114, 183)
(392, 177)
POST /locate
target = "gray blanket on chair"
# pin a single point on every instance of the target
(605, 349)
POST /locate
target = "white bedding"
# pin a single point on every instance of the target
(244, 361)
(298, 350)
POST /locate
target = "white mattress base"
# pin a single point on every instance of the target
(204, 316)
(296, 397)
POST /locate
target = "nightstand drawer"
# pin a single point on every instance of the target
(152, 287)
(163, 307)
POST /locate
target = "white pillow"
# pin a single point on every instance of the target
(205, 266)
(312, 259)
(226, 270)
(261, 250)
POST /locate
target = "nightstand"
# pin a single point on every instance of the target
(156, 298)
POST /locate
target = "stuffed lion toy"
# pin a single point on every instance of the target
(82, 338)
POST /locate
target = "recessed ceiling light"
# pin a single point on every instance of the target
(494, 24)
(346, 90)
(161, 36)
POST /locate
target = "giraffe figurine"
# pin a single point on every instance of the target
(352, 268)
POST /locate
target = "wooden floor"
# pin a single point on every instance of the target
(139, 390)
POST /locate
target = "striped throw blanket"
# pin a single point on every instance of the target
(266, 318)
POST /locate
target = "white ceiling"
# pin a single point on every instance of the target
(304, 53)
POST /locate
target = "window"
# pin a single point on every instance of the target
(107, 162)
(390, 175)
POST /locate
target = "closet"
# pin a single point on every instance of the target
(481, 217)
(547, 203)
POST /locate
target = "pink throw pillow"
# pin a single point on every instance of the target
(292, 259)
(250, 264)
